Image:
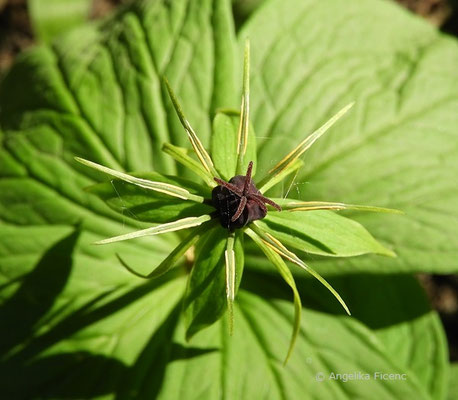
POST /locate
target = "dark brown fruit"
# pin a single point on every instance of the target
(238, 202)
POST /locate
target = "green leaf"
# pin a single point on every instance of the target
(394, 307)
(205, 299)
(110, 106)
(50, 18)
(397, 146)
(97, 93)
(322, 232)
(250, 364)
(398, 311)
(453, 387)
(224, 144)
(149, 206)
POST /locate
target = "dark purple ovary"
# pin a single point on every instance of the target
(226, 203)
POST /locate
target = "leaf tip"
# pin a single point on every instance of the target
(390, 253)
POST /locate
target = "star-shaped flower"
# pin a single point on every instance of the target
(236, 206)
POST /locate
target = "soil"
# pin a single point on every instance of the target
(16, 34)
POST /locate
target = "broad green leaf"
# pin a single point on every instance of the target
(50, 18)
(53, 268)
(205, 300)
(97, 93)
(322, 232)
(156, 343)
(250, 364)
(396, 148)
(224, 144)
(394, 307)
(149, 206)
(100, 87)
(397, 309)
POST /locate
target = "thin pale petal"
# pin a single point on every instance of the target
(179, 155)
(324, 205)
(242, 138)
(201, 153)
(159, 229)
(277, 261)
(278, 247)
(304, 145)
(229, 256)
(172, 258)
(162, 187)
(270, 181)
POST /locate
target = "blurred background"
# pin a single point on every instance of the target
(24, 23)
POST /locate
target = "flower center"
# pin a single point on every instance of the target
(239, 202)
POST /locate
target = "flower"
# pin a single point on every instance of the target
(238, 204)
